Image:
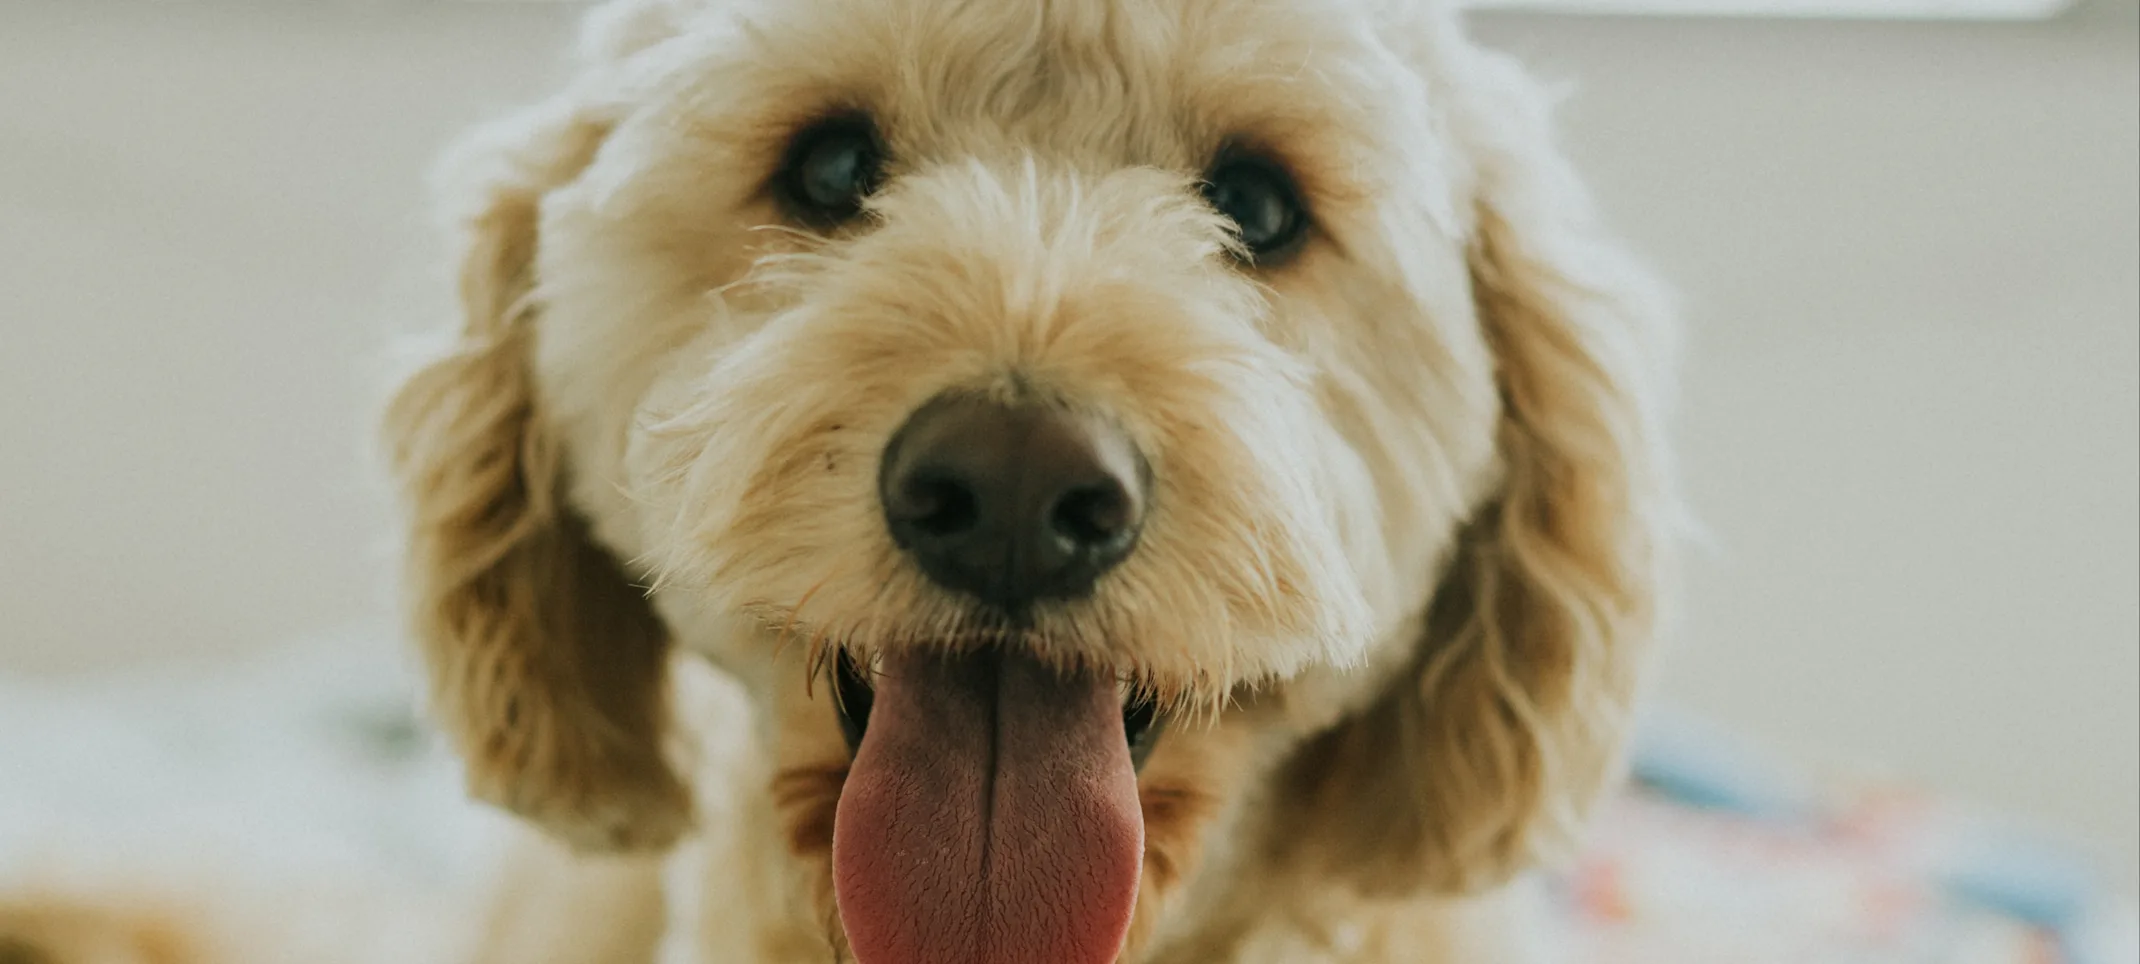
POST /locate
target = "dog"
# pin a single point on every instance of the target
(1159, 481)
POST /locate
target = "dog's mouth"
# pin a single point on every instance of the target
(991, 812)
(853, 696)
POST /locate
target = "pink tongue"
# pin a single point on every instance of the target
(990, 817)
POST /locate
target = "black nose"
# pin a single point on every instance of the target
(1012, 503)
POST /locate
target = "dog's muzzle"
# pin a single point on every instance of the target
(993, 808)
(854, 696)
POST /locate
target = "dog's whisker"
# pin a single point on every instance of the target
(794, 613)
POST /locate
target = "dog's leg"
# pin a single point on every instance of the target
(555, 907)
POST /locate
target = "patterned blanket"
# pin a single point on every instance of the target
(1714, 857)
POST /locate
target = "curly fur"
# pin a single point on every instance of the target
(1412, 504)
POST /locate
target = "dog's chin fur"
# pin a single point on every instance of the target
(1409, 498)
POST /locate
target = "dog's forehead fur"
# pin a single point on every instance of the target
(1161, 82)
(1332, 88)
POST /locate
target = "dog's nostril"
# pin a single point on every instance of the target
(1092, 516)
(938, 505)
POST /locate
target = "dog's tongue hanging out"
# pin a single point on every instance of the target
(990, 817)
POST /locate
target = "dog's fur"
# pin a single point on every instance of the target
(1410, 494)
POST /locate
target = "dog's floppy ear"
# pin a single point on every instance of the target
(1489, 750)
(547, 664)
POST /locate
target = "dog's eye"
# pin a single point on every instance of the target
(1260, 200)
(830, 170)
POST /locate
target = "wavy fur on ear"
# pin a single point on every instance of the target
(1491, 748)
(547, 663)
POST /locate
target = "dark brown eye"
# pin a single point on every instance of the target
(1261, 201)
(830, 169)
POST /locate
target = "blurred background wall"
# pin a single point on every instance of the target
(1910, 254)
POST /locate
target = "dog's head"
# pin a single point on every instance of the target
(1174, 446)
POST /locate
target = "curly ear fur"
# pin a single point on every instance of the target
(547, 665)
(1491, 748)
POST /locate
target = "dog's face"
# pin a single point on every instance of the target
(1139, 453)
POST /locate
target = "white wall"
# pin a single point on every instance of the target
(1911, 260)
(1911, 417)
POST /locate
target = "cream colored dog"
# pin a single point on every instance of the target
(1164, 480)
